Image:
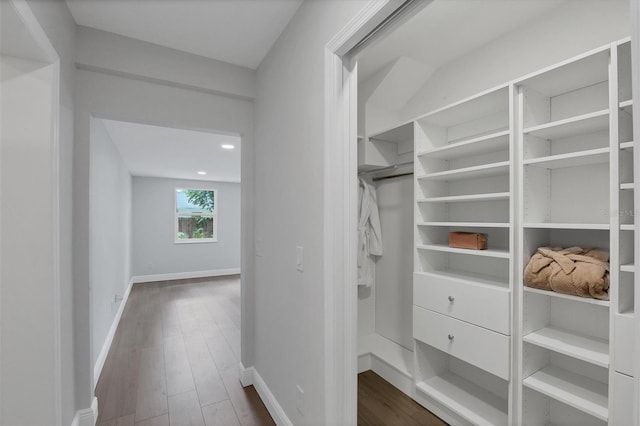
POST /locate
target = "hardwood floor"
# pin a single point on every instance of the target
(174, 359)
(380, 403)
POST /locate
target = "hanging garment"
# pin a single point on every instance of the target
(369, 233)
(574, 271)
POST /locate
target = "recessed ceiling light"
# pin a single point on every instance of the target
(201, 172)
(227, 146)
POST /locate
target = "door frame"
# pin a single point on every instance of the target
(340, 205)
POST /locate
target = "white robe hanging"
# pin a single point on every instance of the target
(369, 233)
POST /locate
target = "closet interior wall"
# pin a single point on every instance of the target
(539, 151)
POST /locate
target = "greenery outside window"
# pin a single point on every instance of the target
(196, 216)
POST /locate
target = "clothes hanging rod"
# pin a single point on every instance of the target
(392, 176)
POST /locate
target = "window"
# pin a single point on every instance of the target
(196, 216)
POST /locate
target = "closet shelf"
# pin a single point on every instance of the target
(627, 227)
(548, 225)
(629, 267)
(582, 124)
(577, 391)
(471, 278)
(579, 299)
(466, 198)
(474, 172)
(589, 349)
(467, 224)
(626, 145)
(625, 186)
(572, 159)
(482, 144)
(504, 254)
(627, 106)
(470, 401)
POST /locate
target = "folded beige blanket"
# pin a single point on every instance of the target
(575, 271)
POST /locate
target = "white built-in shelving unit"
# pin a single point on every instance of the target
(544, 160)
(462, 298)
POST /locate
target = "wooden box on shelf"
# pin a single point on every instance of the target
(468, 240)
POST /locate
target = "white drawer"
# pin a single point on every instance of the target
(475, 303)
(623, 354)
(476, 345)
(623, 401)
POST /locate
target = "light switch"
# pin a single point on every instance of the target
(299, 258)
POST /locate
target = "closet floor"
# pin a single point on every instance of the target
(380, 403)
(174, 359)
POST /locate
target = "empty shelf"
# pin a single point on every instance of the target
(487, 253)
(550, 293)
(627, 106)
(627, 227)
(630, 267)
(572, 159)
(474, 172)
(546, 225)
(488, 143)
(626, 186)
(589, 349)
(467, 224)
(582, 124)
(470, 401)
(626, 145)
(579, 392)
(466, 198)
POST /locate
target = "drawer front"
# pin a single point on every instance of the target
(623, 347)
(477, 304)
(478, 346)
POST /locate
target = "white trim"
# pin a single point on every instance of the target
(102, 356)
(270, 401)
(635, 78)
(246, 375)
(87, 416)
(184, 275)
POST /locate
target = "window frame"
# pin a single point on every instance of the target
(177, 240)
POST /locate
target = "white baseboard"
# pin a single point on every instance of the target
(250, 376)
(87, 416)
(102, 356)
(246, 375)
(185, 275)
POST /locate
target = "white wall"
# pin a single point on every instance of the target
(108, 52)
(569, 30)
(27, 325)
(58, 24)
(394, 269)
(289, 173)
(154, 249)
(122, 98)
(110, 232)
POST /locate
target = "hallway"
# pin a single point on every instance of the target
(174, 359)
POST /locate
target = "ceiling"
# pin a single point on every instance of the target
(447, 29)
(240, 32)
(175, 153)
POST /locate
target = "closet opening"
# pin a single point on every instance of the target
(512, 122)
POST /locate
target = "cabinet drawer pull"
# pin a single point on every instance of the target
(450, 337)
(451, 298)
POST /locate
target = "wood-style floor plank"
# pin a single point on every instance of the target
(163, 368)
(380, 403)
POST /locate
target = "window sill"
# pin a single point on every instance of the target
(196, 241)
